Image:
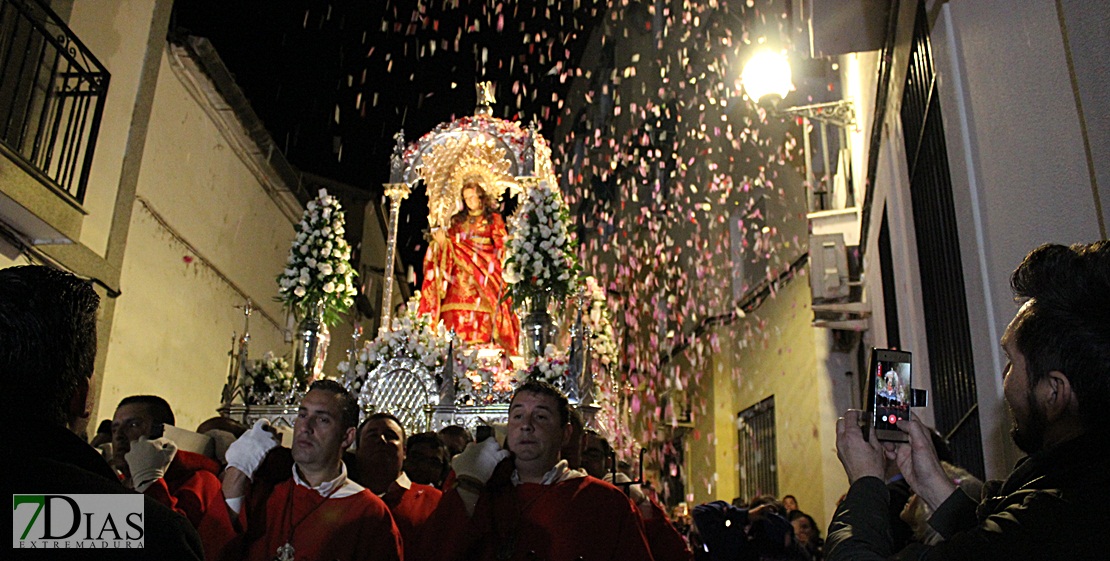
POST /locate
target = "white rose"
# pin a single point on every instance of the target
(325, 268)
(299, 291)
(329, 287)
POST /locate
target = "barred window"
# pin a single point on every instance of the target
(757, 453)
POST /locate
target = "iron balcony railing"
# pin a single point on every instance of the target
(52, 94)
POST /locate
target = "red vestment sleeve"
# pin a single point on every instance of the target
(191, 488)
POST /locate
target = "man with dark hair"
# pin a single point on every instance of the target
(455, 437)
(47, 349)
(1057, 387)
(541, 509)
(137, 416)
(665, 542)
(572, 450)
(426, 460)
(186, 482)
(316, 512)
(380, 456)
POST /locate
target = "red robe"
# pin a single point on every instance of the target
(666, 543)
(411, 508)
(464, 287)
(356, 527)
(191, 488)
(580, 518)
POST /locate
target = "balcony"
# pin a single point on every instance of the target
(52, 95)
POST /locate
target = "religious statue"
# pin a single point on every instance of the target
(463, 285)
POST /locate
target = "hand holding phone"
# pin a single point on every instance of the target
(889, 394)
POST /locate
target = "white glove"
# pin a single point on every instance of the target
(148, 460)
(246, 453)
(478, 460)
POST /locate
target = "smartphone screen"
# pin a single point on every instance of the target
(889, 395)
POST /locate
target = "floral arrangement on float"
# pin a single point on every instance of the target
(270, 381)
(540, 255)
(487, 382)
(318, 277)
(409, 335)
(318, 282)
(602, 341)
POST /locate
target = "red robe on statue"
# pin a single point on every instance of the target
(464, 287)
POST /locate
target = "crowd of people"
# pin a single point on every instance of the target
(547, 487)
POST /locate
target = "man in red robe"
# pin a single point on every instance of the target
(535, 507)
(666, 543)
(186, 482)
(380, 454)
(315, 512)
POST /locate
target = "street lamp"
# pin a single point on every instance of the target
(767, 74)
(767, 79)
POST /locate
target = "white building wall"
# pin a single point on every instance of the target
(204, 236)
(1020, 172)
(118, 33)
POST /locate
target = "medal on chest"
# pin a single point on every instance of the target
(285, 553)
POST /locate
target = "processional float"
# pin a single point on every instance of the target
(467, 387)
(466, 392)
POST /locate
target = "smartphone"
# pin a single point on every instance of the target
(889, 393)
(483, 432)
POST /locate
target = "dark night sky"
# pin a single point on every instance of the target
(334, 80)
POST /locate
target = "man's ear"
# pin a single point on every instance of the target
(1057, 395)
(568, 430)
(79, 403)
(349, 437)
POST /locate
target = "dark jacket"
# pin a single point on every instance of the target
(52, 460)
(1046, 509)
(727, 534)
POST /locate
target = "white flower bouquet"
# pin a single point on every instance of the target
(410, 335)
(602, 341)
(269, 381)
(540, 255)
(318, 270)
(551, 367)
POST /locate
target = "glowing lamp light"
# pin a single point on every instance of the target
(767, 74)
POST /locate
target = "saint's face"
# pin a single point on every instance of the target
(536, 433)
(319, 436)
(472, 197)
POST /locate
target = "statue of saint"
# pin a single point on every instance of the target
(463, 285)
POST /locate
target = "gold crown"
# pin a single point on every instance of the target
(458, 161)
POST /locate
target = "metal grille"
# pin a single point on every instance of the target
(403, 387)
(890, 301)
(938, 250)
(52, 93)
(757, 451)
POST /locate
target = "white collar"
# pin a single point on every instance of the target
(335, 489)
(403, 481)
(561, 472)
